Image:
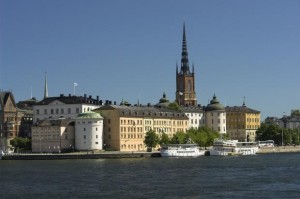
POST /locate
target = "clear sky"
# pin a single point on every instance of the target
(128, 49)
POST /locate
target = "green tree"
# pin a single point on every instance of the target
(180, 138)
(151, 139)
(164, 139)
(21, 144)
(174, 106)
(202, 136)
(270, 132)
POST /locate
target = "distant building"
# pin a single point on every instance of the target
(125, 126)
(25, 110)
(9, 120)
(242, 123)
(64, 107)
(196, 116)
(89, 131)
(185, 79)
(53, 135)
(215, 116)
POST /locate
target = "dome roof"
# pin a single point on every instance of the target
(89, 115)
(163, 102)
(215, 105)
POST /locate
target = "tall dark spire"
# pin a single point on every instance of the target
(185, 69)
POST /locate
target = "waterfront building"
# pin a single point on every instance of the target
(9, 120)
(215, 116)
(53, 135)
(125, 126)
(64, 106)
(185, 79)
(196, 116)
(88, 131)
(242, 123)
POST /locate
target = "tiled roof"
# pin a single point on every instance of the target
(144, 111)
(70, 100)
(241, 109)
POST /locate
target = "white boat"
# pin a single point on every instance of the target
(233, 147)
(181, 150)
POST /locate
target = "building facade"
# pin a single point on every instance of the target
(53, 135)
(185, 79)
(9, 120)
(196, 116)
(242, 123)
(125, 127)
(89, 131)
(64, 107)
(215, 116)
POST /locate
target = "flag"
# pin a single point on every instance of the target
(75, 84)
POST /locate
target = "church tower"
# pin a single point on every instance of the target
(185, 79)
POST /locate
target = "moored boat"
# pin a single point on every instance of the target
(181, 150)
(233, 147)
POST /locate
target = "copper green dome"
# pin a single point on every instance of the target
(215, 105)
(89, 115)
(163, 102)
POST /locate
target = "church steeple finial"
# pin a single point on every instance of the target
(46, 87)
(184, 54)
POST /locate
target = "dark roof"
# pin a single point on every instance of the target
(240, 109)
(144, 111)
(214, 105)
(70, 99)
(194, 109)
(55, 122)
(4, 95)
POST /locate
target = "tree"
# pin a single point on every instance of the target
(21, 144)
(202, 136)
(174, 106)
(151, 139)
(164, 139)
(180, 138)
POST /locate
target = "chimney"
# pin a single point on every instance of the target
(85, 100)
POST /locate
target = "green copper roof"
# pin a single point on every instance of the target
(89, 114)
(215, 105)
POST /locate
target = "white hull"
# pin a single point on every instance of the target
(230, 147)
(181, 150)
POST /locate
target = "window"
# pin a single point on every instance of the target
(45, 111)
(77, 110)
(37, 111)
(62, 111)
(96, 142)
(96, 136)
(84, 136)
(57, 111)
(52, 111)
(69, 110)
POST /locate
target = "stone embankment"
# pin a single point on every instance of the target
(280, 149)
(79, 155)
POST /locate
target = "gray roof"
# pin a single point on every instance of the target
(144, 111)
(240, 109)
(70, 99)
(215, 105)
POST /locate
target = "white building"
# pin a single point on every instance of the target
(195, 115)
(215, 116)
(64, 107)
(89, 131)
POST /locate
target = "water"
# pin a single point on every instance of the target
(259, 176)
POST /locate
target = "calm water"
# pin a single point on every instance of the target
(260, 176)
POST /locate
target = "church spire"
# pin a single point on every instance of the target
(184, 55)
(46, 87)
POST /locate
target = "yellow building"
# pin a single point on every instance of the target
(242, 123)
(125, 126)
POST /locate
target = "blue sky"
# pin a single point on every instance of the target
(128, 49)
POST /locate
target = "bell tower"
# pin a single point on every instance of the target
(185, 79)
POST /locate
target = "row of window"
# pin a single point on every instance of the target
(132, 136)
(148, 122)
(132, 146)
(57, 111)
